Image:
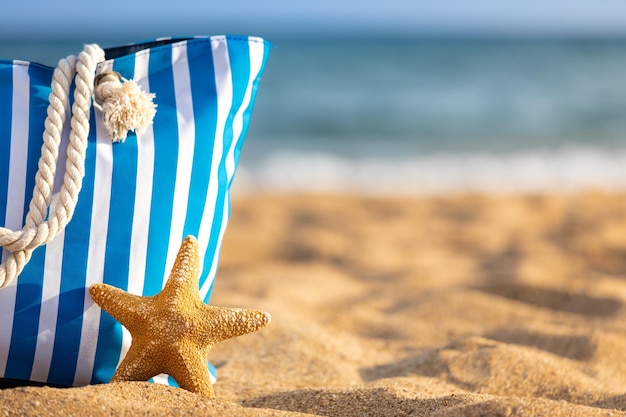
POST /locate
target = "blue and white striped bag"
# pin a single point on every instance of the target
(139, 198)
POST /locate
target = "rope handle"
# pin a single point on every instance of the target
(121, 112)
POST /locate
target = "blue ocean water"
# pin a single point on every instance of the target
(432, 115)
(438, 116)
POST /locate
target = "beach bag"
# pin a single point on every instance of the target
(86, 202)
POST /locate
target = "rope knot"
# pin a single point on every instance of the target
(125, 107)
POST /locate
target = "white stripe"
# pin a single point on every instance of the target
(161, 379)
(204, 289)
(224, 89)
(143, 191)
(257, 52)
(19, 148)
(49, 308)
(186, 142)
(143, 200)
(97, 248)
(48, 314)
(256, 60)
(15, 195)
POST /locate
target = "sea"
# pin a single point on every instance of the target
(429, 116)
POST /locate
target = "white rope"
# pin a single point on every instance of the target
(37, 230)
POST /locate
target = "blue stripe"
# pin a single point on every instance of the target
(246, 123)
(165, 128)
(239, 53)
(212, 370)
(172, 382)
(119, 232)
(29, 288)
(204, 91)
(6, 109)
(74, 275)
(241, 76)
(248, 112)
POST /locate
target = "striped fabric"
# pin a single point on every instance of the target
(139, 199)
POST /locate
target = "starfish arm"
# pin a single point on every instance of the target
(225, 323)
(124, 307)
(139, 364)
(184, 277)
(188, 366)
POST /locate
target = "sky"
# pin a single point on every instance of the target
(121, 19)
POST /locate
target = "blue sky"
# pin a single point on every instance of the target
(39, 19)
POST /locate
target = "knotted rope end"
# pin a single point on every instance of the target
(125, 106)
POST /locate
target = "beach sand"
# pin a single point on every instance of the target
(428, 306)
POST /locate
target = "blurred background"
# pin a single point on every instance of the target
(401, 96)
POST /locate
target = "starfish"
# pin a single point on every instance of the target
(174, 330)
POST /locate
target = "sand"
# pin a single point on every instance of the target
(442, 306)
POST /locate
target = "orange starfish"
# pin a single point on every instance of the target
(173, 331)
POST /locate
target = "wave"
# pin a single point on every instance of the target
(564, 171)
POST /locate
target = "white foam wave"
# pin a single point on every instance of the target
(567, 170)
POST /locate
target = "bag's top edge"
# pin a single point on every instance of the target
(128, 49)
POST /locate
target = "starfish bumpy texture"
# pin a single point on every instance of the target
(173, 331)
